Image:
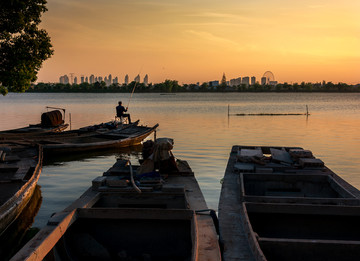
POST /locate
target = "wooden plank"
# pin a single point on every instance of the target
(232, 233)
(20, 174)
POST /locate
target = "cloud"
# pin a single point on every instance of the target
(316, 6)
(213, 15)
(210, 37)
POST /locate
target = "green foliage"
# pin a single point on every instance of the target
(23, 46)
(173, 86)
(167, 86)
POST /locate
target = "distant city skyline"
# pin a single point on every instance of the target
(245, 80)
(64, 79)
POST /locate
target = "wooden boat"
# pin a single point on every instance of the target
(166, 220)
(92, 140)
(18, 233)
(282, 203)
(20, 168)
(100, 128)
(51, 122)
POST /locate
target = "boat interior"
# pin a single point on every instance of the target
(112, 221)
(94, 136)
(305, 232)
(17, 166)
(294, 207)
(299, 188)
(127, 234)
(157, 200)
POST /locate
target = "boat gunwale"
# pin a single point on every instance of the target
(131, 140)
(251, 236)
(9, 210)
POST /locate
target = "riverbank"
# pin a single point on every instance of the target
(173, 87)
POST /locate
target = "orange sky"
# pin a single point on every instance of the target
(196, 41)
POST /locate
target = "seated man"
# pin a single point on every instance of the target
(120, 112)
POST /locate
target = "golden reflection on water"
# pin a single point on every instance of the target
(202, 130)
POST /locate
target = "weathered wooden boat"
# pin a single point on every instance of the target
(20, 231)
(70, 142)
(51, 122)
(93, 129)
(130, 216)
(282, 203)
(20, 168)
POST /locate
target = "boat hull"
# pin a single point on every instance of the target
(32, 130)
(18, 192)
(96, 142)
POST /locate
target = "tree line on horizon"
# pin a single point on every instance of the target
(172, 86)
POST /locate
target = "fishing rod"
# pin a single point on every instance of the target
(131, 94)
(133, 89)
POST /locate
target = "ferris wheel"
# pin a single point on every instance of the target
(269, 77)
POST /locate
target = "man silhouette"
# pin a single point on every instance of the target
(120, 112)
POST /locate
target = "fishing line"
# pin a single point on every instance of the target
(133, 88)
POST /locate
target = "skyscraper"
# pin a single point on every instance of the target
(263, 81)
(137, 78)
(146, 80)
(75, 80)
(92, 79)
(110, 79)
(126, 80)
(245, 80)
(235, 82)
(64, 79)
(253, 80)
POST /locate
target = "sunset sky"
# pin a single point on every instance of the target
(199, 40)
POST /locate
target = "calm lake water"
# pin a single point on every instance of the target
(202, 131)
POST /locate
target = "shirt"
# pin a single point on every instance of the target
(120, 110)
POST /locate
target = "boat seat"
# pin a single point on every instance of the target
(121, 120)
(21, 173)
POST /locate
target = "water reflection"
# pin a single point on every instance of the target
(202, 132)
(121, 153)
(18, 233)
(64, 178)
